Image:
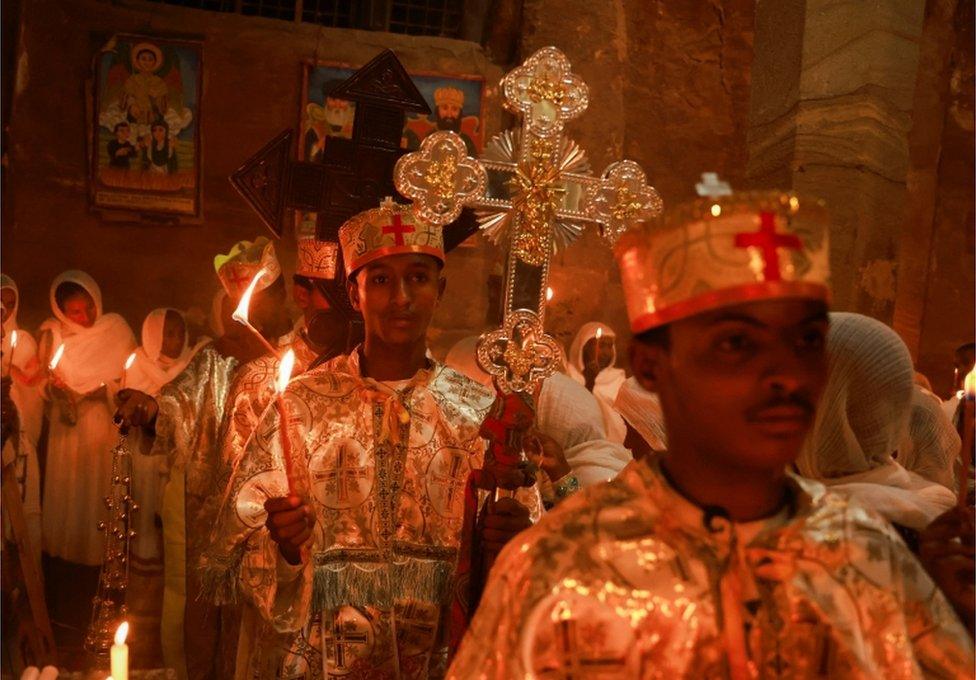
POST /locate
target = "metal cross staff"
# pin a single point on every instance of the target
(534, 191)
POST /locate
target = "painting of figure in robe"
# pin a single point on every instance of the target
(455, 100)
(146, 142)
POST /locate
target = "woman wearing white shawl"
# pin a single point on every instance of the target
(565, 412)
(154, 366)
(20, 366)
(863, 420)
(931, 448)
(608, 378)
(82, 435)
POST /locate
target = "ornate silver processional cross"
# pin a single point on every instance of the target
(534, 192)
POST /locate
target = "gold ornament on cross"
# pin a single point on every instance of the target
(533, 191)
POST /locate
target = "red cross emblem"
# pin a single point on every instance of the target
(398, 229)
(769, 242)
(239, 278)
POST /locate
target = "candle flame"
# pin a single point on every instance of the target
(121, 633)
(969, 384)
(284, 371)
(599, 333)
(549, 294)
(241, 313)
(131, 360)
(13, 339)
(56, 359)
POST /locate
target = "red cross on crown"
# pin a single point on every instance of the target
(390, 229)
(245, 259)
(724, 249)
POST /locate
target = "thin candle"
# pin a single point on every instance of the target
(242, 312)
(549, 294)
(284, 375)
(967, 415)
(13, 347)
(125, 369)
(120, 653)
(56, 359)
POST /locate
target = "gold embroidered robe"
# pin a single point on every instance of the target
(188, 428)
(624, 580)
(386, 470)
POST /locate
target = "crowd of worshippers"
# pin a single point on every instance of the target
(773, 492)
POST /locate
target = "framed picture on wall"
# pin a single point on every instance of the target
(455, 99)
(145, 144)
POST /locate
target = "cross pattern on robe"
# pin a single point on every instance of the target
(452, 481)
(532, 188)
(768, 241)
(575, 663)
(342, 475)
(415, 624)
(342, 635)
(398, 229)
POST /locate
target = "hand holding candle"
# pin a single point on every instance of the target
(120, 653)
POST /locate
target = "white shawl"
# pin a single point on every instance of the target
(151, 369)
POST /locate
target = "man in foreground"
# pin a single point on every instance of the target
(709, 560)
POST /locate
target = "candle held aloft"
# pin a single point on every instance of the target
(284, 375)
(120, 653)
(242, 314)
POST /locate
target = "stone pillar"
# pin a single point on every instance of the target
(830, 112)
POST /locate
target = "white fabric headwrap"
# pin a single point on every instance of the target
(932, 446)
(92, 356)
(151, 369)
(863, 419)
(11, 323)
(608, 381)
(642, 410)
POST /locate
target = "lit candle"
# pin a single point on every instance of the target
(125, 369)
(549, 294)
(243, 309)
(284, 375)
(120, 653)
(56, 359)
(967, 415)
(13, 347)
(599, 333)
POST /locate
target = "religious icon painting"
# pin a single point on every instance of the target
(145, 142)
(456, 102)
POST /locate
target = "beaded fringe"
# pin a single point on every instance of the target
(379, 585)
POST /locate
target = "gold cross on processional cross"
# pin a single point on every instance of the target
(533, 191)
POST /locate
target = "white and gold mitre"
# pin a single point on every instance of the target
(391, 229)
(721, 251)
(237, 268)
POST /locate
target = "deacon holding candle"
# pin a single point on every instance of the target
(185, 422)
(387, 437)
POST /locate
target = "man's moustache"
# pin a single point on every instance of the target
(798, 400)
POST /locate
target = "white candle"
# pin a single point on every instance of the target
(120, 653)
(13, 348)
(125, 369)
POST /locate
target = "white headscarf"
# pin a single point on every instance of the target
(608, 381)
(11, 323)
(567, 412)
(862, 421)
(642, 411)
(151, 368)
(92, 356)
(932, 446)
